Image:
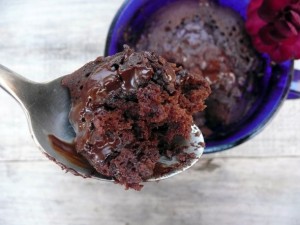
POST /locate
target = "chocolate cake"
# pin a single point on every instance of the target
(128, 108)
(208, 39)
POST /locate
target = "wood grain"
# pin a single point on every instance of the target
(216, 191)
(255, 183)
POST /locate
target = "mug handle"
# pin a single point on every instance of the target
(295, 85)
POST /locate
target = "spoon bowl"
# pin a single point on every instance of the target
(47, 107)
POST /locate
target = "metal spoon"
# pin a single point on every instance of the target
(47, 106)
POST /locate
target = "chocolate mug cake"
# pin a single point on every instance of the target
(128, 109)
(210, 39)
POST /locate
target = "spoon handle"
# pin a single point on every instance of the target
(17, 86)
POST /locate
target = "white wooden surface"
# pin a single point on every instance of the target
(255, 183)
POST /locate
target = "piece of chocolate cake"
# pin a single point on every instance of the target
(128, 108)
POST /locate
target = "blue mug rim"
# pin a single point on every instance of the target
(111, 38)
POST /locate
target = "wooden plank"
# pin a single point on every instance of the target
(215, 191)
(255, 183)
(44, 40)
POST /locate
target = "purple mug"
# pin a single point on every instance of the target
(280, 81)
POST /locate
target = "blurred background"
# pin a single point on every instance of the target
(255, 183)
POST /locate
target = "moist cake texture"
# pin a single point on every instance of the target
(127, 109)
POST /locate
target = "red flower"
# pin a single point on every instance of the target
(274, 26)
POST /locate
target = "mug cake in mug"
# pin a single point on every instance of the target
(209, 37)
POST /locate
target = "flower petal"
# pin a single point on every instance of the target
(284, 29)
(292, 45)
(268, 36)
(288, 49)
(254, 5)
(270, 9)
(295, 5)
(254, 23)
(280, 55)
(294, 17)
(262, 47)
(274, 26)
(297, 47)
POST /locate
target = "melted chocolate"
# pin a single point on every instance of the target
(134, 77)
(67, 169)
(161, 169)
(67, 150)
(103, 147)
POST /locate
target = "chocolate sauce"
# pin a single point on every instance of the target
(161, 169)
(134, 76)
(103, 147)
(68, 151)
(67, 169)
(109, 80)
